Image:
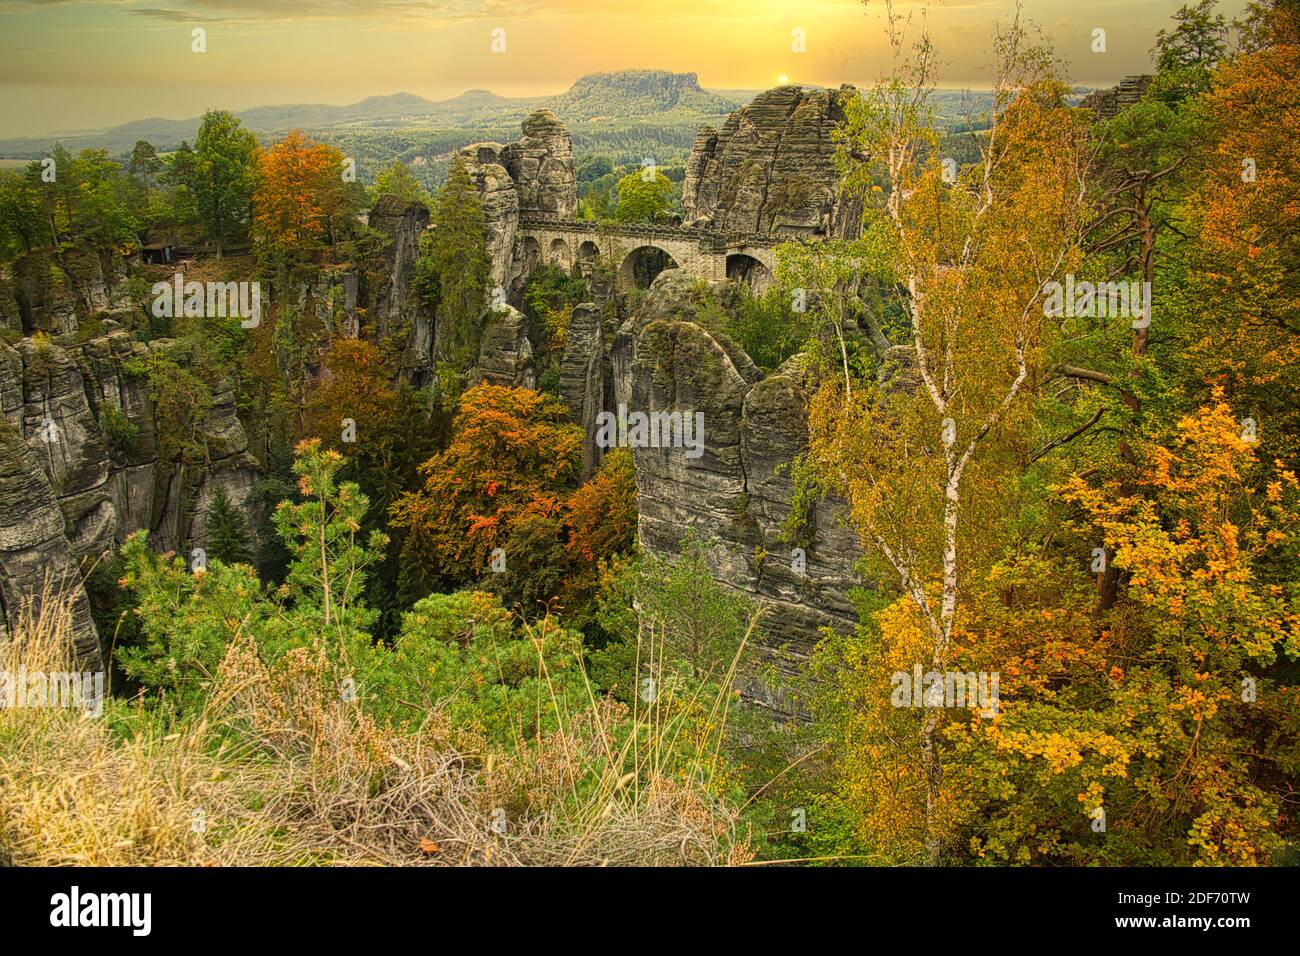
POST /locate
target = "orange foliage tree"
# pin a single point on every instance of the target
(301, 195)
(379, 426)
(508, 480)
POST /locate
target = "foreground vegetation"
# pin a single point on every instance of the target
(1100, 507)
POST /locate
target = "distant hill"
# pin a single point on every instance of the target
(624, 95)
(166, 134)
(636, 93)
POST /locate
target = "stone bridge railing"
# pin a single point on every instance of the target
(711, 237)
(704, 253)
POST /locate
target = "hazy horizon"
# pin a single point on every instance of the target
(88, 64)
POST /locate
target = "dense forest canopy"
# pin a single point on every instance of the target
(1050, 382)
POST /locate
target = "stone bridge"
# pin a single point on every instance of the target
(641, 252)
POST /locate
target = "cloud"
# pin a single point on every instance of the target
(294, 11)
(298, 11)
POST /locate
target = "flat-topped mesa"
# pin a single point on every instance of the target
(771, 170)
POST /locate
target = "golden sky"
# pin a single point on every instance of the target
(85, 64)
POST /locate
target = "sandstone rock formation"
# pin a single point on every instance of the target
(36, 560)
(43, 291)
(533, 176)
(403, 224)
(584, 370)
(393, 304)
(80, 466)
(541, 164)
(1110, 102)
(738, 493)
(505, 354)
(499, 195)
(771, 169)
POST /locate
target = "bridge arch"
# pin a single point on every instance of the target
(588, 255)
(749, 269)
(559, 254)
(642, 265)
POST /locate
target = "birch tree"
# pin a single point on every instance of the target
(969, 254)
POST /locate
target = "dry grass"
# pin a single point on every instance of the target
(279, 771)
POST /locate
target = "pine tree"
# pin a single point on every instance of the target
(460, 258)
(227, 532)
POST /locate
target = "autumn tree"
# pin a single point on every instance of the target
(302, 198)
(1132, 586)
(971, 261)
(513, 454)
(380, 426)
(1237, 324)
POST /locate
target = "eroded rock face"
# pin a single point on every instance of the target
(1110, 102)
(64, 438)
(533, 176)
(541, 164)
(55, 293)
(499, 195)
(737, 494)
(403, 223)
(771, 169)
(36, 561)
(505, 354)
(80, 469)
(583, 377)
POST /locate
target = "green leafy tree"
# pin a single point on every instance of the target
(398, 180)
(1198, 42)
(21, 222)
(642, 199)
(145, 164)
(179, 178)
(463, 654)
(668, 617)
(329, 559)
(224, 176)
(103, 207)
(227, 531)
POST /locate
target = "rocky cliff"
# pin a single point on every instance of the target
(771, 169)
(80, 467)
(1111, 102)
(737, 494)
(532, 176)
(541, 164)
(499, 194)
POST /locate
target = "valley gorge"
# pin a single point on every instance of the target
(769, 173)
